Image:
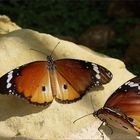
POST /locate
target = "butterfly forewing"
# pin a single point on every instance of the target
(127, 97)
(82, 75)
(30, 81)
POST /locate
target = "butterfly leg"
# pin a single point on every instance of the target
(99, 129)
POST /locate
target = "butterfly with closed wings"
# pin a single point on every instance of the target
(65, 80)
(122, 109)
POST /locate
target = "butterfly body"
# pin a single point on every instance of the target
(122, 109)
(65, 80)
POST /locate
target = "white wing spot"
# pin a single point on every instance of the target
(10, 91)
(120, 87)
(8, 85)
(97, 76)
(97, 82)
(134, 85)
(127, 83)
(131, 84)
(95, 68)
(9, 77)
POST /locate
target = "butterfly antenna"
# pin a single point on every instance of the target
(82, 117)
(54, 48)
(87, 114)
(45, 53)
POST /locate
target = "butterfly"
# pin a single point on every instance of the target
(122, 109)
(65, 80)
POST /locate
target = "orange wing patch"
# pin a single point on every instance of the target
(34, 83)
(65, 93)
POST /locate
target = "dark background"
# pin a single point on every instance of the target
(111, 27)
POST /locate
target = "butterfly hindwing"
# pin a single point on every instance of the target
(30, 81)
(65, 93)
(117, 119)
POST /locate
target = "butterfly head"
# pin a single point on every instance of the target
(50, 59)
(97, 113)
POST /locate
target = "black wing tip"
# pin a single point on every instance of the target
(109, 77)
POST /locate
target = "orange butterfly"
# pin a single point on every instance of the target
(122, 109)
(66, 80)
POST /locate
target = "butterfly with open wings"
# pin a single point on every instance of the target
(65, 80)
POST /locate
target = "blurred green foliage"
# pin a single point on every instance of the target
(67, 17)
(71, 18)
